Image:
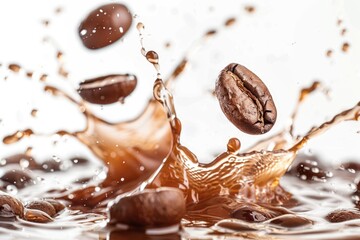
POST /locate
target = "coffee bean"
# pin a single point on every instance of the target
(34, 215)
(19, 178)
(58, 206)
(150, 208)
(290, 221)
(12, 204)
(42, 206)
(343, 215)
(245, 100)
(107, 89)
(105, 25)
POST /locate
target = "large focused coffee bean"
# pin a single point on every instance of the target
(245, 100)
(150, 208)
(105, 25)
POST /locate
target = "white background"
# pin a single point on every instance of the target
(283, 42)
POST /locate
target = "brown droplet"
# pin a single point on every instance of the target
(19, 178)
(150, 208)
(43, 77)
(29, 74)
(34, 112)
(17, 136)
(229, 22)
(12, 204)
(339, 22)
(42, 206)
(152, 57)
(343, 31)
(58, 10)
(343, 215)
(14, 67)
(167, 44)
(210, 33)
(233, 145)
(45, 22)
(345, 47)
(34, 215)
(329, 53)
(107, 89)
(249, 9)
(105, 25)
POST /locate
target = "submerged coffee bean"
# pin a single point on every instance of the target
(150, 208)
(108, 89)
(42, 205)
(245, 100)
(105, 25)
(34, 215)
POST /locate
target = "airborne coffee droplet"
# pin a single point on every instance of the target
(245, 100)
(107, 89)
(105, 25)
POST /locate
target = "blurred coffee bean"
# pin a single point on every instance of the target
(42, 206)
(17, 177)
(105, 25)
(107, 89)
(34, 215)
(150, 208)
(343, 215)
(58, 206)
(11, 203)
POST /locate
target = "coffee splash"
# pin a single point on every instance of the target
(146, 153)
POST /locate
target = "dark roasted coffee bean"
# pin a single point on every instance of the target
(343, 215)
(19, 178)
(34, 215)
(150, 208)
(105, 25)
(245, 100)
(59, 206)
(290, 221)
(42, 206)
(107, 89)
(12, 204)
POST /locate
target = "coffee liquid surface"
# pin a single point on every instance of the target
(240, 194)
